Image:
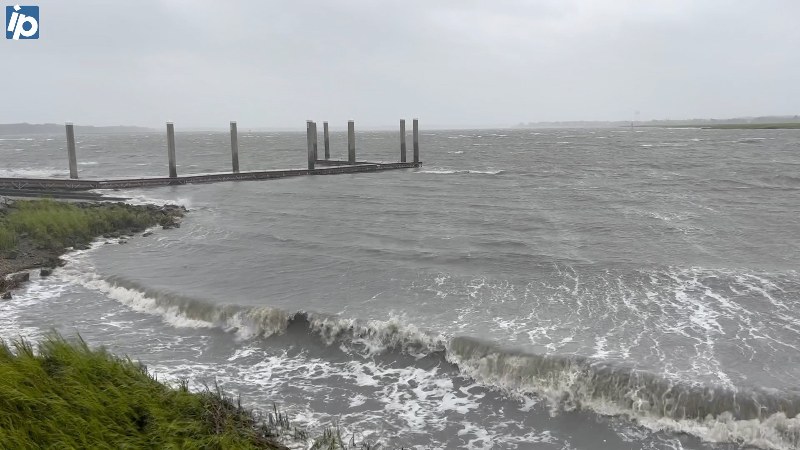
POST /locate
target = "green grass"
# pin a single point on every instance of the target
(58, 225)
(8, 237)
(66, 396)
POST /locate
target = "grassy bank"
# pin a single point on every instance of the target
(34, 233)
(56, 225)
(64, 395)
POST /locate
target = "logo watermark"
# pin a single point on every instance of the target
(22, 22)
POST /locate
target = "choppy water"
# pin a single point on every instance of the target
(564, 289)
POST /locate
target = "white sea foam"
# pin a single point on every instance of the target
(45, 172)
(450, 171)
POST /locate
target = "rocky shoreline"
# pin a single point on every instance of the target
(30, 254)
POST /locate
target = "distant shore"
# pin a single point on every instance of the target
(731, 126)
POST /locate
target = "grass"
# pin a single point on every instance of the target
(56, 225)
(67, 396)
(64, 395)
(8, 237)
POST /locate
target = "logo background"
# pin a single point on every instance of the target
(31, 11)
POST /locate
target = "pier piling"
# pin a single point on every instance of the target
(316, 137)
(311, 157)
(326, 140)
(234, 147)
(351, 142)
(416, 141)
(173, 169)
(402, 140)
(73, 159)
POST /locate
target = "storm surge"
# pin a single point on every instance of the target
(765, 418)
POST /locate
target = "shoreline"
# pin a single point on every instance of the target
(66, 369)
(31, 251)
(731, 126)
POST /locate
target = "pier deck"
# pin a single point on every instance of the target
(116, 183)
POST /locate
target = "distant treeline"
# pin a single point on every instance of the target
(664, 123)
(54, 128)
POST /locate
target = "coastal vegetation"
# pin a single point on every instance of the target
(56, 225)
(35, 233)
(66, 395)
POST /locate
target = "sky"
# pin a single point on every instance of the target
(476, 63)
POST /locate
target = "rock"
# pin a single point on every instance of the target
(107, 235)
(11, 255)
(148, 233)
(6, 296)
(14, 281)
(18, 278)
(123, 241)
(115, 235)
(52, 263)
(45, 272)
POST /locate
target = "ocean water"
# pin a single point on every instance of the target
(530, 289)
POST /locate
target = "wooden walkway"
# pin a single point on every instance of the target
(336, 167)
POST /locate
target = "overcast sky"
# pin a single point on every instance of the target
(450, 62)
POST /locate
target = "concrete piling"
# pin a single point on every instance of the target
(311, 157)
(351, 142)
(73, 158)
(173, 168)
(416, 141)
(316, 137)
(402, 140)
(327, 140)
(234, 147)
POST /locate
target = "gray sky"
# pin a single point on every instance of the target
(449, 62)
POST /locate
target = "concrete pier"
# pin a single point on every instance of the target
(234, 147)
(327, 140)
(126, 183)
(62, 186)
(73, 158)
(402, 140)
(173, 167)
(351, 142)
(416, 141)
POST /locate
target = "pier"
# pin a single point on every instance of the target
(327, 166)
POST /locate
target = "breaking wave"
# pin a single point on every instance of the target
(749, 416)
